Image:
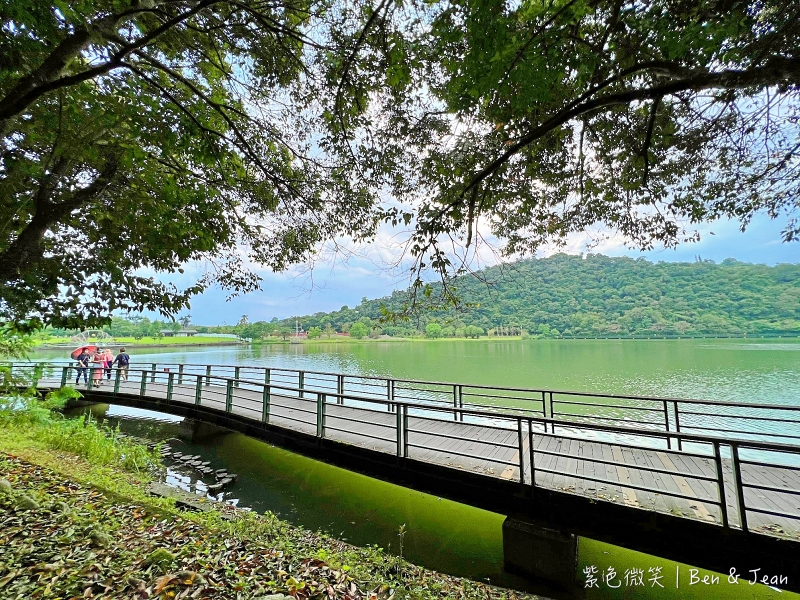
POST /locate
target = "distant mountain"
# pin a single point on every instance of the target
(595, 295)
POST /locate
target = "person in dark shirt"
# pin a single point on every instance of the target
(83, 366)
(123, 360)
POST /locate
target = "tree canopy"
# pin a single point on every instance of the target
(137, 136)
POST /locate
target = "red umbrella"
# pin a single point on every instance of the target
(77, 352)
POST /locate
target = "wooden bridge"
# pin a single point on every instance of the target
(715, 484)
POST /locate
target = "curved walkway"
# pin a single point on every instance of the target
(544, 453)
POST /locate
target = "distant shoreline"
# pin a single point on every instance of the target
(70, 345)
(366, 340)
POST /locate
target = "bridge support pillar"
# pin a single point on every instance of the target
(541, 552)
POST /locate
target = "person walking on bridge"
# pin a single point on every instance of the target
(83, 366)
(122, 361)
(98, 366)
(109, 356)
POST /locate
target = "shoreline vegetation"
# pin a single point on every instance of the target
(76, 521)
(181, 342)
(560, 297)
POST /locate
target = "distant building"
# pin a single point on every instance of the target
(179, 333)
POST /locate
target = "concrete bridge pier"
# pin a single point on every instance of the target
(195, 431)
(543, 553)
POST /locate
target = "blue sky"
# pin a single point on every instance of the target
(329, 287)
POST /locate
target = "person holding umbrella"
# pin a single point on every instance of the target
(82, 356)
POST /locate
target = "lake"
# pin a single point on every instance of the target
(765, 371)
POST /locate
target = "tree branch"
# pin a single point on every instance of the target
(648, 138)
(26, 249)
(777, 70)
(43, 80)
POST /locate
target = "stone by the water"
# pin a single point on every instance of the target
(226, 481)
(222, 471)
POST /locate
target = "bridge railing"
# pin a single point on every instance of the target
(750, 421)
(515, 441)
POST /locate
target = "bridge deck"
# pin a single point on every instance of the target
(561, 463)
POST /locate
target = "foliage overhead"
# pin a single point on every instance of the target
(632, 118)
(137, 136)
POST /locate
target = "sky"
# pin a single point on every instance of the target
(335, 283)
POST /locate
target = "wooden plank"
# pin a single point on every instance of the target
(698, 507)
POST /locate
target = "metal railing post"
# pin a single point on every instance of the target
(530, 449)
(198, 390)
(666, 426)
(300, 381)
(208, 374)
(461, 402)
(320, 415)
(340, 388)
(90, 383)
(236, 372)
(399, 426)
(552, 414)
(170, 384)
(677, 424)
(720, 485)
(117, 378)
(64, 371)
(153, 373)
(521, 452)
(405, 431)
(143, 386)
(389, 394)
(265, 403)
(455, 403)
(267, 376)
(229, 396)
(544, 411)
(737, 477)
(180, 374)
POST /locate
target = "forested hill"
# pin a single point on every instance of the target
(597, 296)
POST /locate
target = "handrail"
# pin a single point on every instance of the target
(561, 423)
(519, 426)
(474, 386)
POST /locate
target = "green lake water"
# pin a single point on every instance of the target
(447, 536)
(717, 369)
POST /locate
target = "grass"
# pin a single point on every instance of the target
(96, 529)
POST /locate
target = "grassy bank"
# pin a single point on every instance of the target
(198, 340)
(84, 526)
